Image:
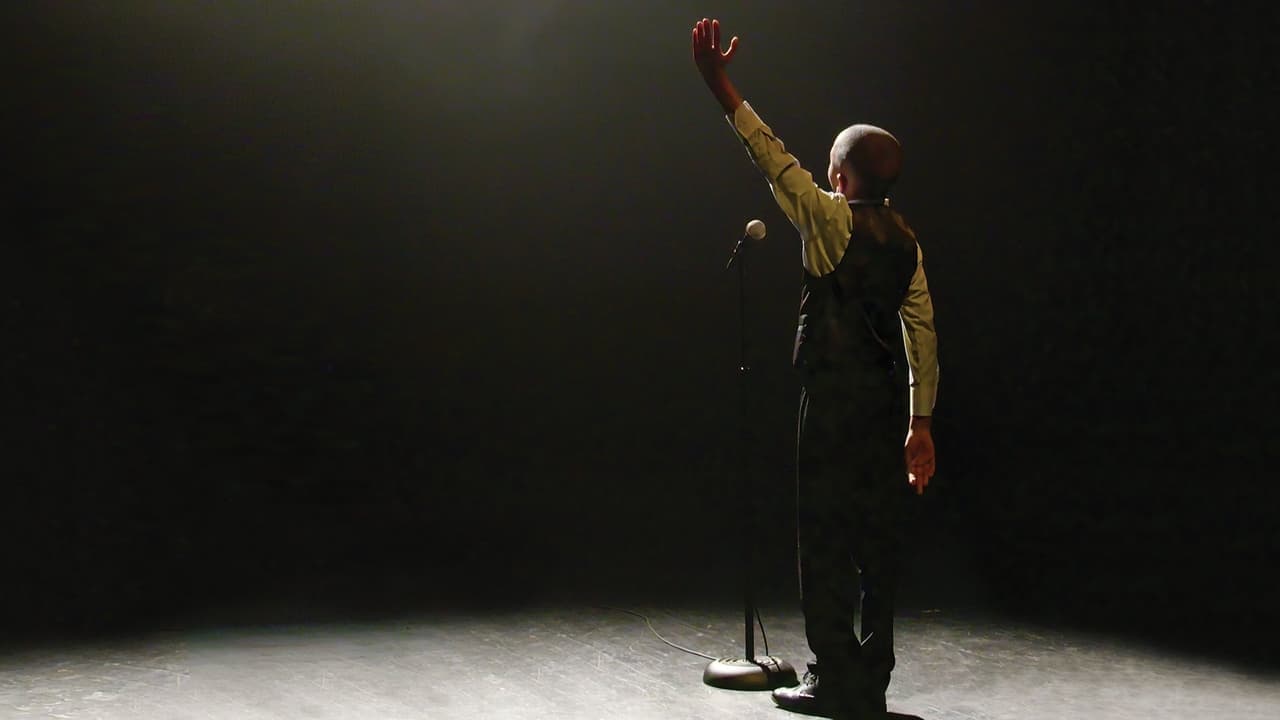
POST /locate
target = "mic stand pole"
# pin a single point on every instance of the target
(750, 672)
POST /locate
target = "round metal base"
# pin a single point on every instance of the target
(766, 673)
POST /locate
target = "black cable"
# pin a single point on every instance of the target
(657, 634)
(762, 635)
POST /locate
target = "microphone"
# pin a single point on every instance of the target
(755, 230)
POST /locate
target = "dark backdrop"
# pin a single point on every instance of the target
(433, 290)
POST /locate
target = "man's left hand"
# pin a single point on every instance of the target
(919, 452)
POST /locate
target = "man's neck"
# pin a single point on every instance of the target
(869, 202)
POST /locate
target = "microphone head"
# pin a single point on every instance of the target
(755, 230)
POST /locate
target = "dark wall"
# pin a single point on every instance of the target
(301, 288)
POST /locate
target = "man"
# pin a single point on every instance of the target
(865, 313)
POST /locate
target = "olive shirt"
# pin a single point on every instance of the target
(825, 222)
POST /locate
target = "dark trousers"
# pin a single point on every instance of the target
(851, 484)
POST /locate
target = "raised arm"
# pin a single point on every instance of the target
(822, 218)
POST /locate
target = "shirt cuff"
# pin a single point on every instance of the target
(922, 400)
(744, 120)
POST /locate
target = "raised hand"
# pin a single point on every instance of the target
(707, 54)
(712, 61)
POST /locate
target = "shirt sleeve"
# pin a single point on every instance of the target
(823, 218)
(920, 340)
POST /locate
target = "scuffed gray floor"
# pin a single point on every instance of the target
(587, 662)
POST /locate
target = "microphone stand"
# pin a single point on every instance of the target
(750, 672)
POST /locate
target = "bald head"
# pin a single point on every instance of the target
(867, 159)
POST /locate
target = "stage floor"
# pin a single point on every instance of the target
(573, 662)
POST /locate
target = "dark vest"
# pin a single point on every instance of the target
(849, 329)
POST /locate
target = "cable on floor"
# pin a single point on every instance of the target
(657, 634)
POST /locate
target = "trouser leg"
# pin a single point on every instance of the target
(828, 592)
(849, 474)
(829, 583)
(878, 558)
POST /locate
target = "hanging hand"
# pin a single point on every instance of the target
(920, 454)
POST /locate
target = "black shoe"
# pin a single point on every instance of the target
(810, 698)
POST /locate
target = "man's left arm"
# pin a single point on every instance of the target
(921, 343)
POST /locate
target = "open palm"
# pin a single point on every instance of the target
(707, 53)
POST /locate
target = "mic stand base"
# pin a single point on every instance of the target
(766, 673)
